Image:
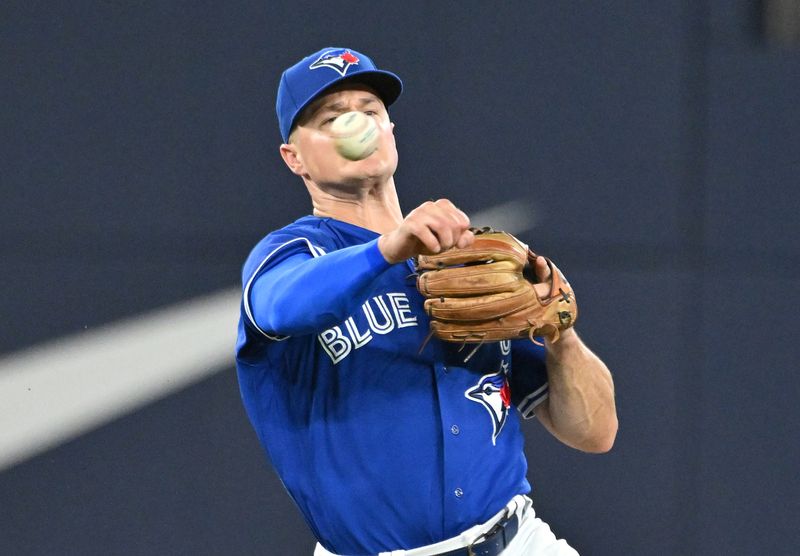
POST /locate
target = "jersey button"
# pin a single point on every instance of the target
(454, 429)
(458, 492)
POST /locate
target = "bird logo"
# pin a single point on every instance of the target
(493, 393)
(338, 60)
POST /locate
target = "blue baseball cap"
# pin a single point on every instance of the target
(313, 75)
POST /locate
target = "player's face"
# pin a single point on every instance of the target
(314, 156)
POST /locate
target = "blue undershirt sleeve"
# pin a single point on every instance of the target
(303, 294)
(529, 386)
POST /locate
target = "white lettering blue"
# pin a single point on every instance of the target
(341, 340)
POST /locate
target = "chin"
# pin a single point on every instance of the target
(372, 167)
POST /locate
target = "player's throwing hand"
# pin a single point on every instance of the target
(430, 228)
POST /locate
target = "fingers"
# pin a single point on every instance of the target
(439, 225)
(430, 228)
(423, 235)
(543, 274)
(542, 290)
(453, 211)
(542, 270)
(466, 239)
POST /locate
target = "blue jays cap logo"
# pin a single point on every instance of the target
(494, 394)
(338, 60)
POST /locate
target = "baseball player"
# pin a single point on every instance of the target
(386, 448)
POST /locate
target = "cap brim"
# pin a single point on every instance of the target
(386, 84)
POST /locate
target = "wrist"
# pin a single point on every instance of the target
(568, 340)
(385, 251)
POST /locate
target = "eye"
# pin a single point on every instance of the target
(328, 121)
(370, 113)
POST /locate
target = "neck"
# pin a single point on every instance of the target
(372, 206)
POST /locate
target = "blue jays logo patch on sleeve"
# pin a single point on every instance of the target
(338, 60)
(494, 394)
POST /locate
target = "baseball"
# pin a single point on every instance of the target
(355, 135)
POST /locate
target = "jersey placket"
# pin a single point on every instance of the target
(455, 492)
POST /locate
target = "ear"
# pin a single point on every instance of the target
(291, 157)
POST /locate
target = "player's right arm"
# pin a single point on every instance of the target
(304, 294)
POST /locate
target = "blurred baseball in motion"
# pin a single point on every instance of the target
(355, 135)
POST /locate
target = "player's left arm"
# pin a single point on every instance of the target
(580, 409)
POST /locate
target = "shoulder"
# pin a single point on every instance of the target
(308, 228)
(304, 235)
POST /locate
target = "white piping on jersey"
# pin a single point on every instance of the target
(533, 399)
(315, 252)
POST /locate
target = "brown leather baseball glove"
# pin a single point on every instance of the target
(480, 294)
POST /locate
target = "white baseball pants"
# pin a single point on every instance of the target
(533, 538)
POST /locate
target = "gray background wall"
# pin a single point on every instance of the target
(658, 141)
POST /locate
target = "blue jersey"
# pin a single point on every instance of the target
(381, 446)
